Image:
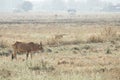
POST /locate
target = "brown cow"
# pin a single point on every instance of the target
(21, 47)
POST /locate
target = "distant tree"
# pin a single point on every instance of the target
(26, 6)
(72, 11)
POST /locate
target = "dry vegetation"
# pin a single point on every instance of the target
(83, 47)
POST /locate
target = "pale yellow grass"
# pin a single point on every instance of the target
(27, 33)
(86, 51)
(61, 67)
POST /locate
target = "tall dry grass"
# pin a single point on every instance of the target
(106, 34)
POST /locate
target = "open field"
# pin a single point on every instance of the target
(78, 47)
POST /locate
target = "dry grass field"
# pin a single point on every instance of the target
(78, 47)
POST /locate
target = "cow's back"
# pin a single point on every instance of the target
(21, 47)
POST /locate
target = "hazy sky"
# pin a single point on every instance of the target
(49, 5)
(83, 5)
(113, 1)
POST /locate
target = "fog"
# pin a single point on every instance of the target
(59, 5)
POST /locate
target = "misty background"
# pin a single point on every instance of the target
(60, 5)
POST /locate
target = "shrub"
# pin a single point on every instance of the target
(54, 41)
(106, 34)
(3, 44)
(108, 51)
(109, 33)
(95, 38)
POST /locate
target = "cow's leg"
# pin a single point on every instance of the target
(27, 55)
(14, 55)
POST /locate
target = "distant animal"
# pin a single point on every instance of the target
(28, 48)
(59, 36)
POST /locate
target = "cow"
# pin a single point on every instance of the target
(28, 48)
